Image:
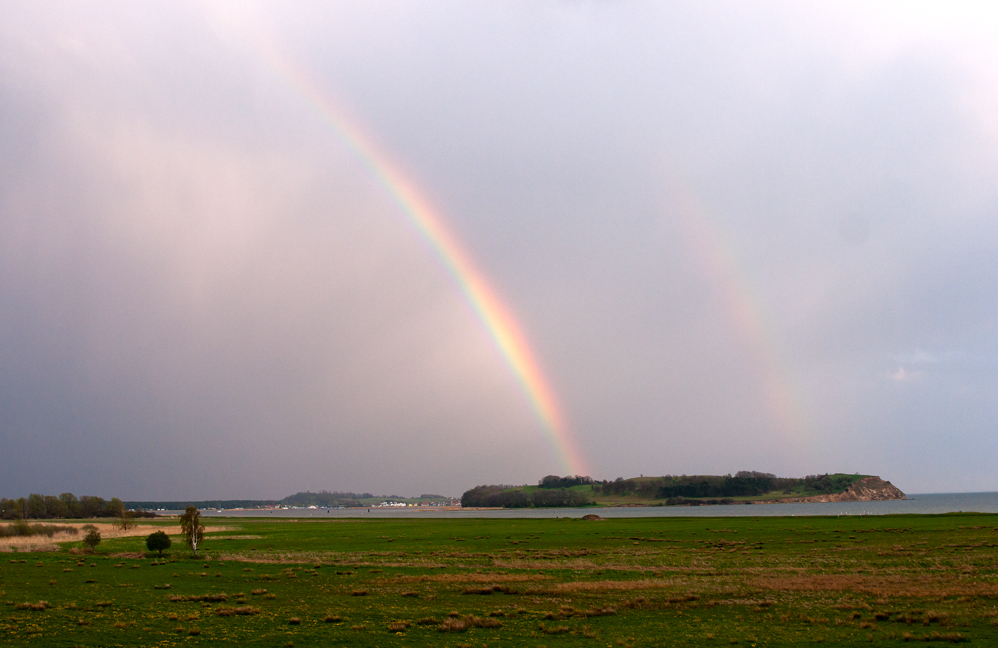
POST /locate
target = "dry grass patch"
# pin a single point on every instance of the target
(602, 586)
(27, 543)
(950, 637)
(456, 624)
(883, 586)
(72, 533)
(489, 578)
(244, 610)
(36, 607)
(493, 589)
(208, 598)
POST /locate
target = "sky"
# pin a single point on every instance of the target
(252, 248)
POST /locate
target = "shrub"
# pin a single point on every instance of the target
(92, 539)
(158, 541)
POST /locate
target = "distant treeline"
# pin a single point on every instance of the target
(67, 505)
(325, 499)
(743, 484)
(322, 499)
(514, 497)
(180, 505)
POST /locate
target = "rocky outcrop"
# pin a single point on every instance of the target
(868, 489)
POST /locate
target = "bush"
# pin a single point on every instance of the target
(158, 541)
(92, 539)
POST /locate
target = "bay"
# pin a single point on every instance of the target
(926, 503)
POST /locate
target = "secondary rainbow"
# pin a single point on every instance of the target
(719, 262)
(494, 315)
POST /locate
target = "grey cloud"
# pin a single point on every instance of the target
(204, 294)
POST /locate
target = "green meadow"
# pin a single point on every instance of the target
(889, 580)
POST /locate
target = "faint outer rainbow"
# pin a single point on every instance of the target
(494, 315)
(719, 262)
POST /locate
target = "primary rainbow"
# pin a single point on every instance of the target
(494, 315)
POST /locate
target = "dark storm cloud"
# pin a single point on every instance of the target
(204, 294)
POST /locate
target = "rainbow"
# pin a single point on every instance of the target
(719, 263)
(496, 318)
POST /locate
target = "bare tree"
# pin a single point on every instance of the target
(192, 528)
(126, 520)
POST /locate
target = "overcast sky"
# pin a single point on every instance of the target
(738, 236)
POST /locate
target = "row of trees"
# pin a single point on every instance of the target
(515, 497)
(554, 481)
(67, 505)
(743, 484)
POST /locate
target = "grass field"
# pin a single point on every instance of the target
(889, 580)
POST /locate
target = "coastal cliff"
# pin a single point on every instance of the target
(868, 489)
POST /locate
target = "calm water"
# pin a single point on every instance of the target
(925, 503)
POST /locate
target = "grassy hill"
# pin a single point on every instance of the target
(668, 490)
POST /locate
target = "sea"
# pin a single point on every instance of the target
(927, 503)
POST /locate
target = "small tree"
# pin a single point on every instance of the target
(126, 520)
(192, 528)
(92, 539)
(158, 541)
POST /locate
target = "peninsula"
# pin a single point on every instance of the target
(745, 487)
